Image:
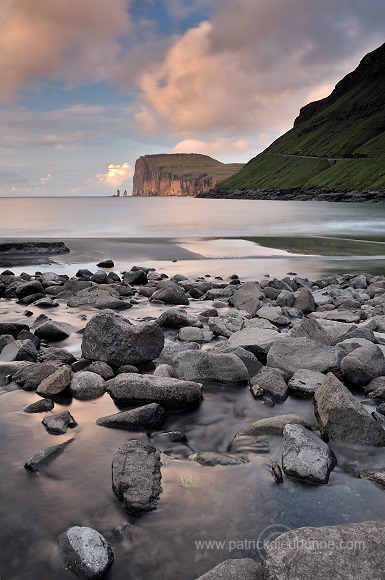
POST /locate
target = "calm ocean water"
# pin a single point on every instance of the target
(217, 231)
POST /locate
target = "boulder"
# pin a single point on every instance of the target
(105, 264)
(269, 382)
(170, 393)
(170, 293)
(136, 476)
(98, 298)
(85, 552)
(86, 385)
(242, 569)
(136, 277)
(58, 423)
(178, 318)
(311, 328)
(56, 356)
(6, 339)
(13, 328)
(19, 350)
(305, 456)
(247, 298)
(304, 383)
(353, 316)
(101, 368)
(147, 418)
(111, 338)
(163, 370)
(304, 301)
(293, 354)
(54, 331)
(29, 288)
(376, 475)
(363, 364)
(205, 366)
(319, 554)
(41, 459)
(256, 340)
(56, 382)
(376, 388)
(273, 314)
(248, 358)
(226, 324)
(340, 417)
(193, 334)
(30, 377)
(173, 348)
(41, 406)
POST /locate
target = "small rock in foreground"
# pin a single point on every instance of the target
(43, 458)
(86, 552)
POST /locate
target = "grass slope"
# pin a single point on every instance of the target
(350, 123)
(193, 164)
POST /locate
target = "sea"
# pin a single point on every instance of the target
(202, 236)
(205, 514)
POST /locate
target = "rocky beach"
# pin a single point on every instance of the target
(142, 411)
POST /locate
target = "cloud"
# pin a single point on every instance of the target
(254, 63)
(116, 175)
(212, 147)
(71, 40)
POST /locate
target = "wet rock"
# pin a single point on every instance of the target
(163, 371)
(206, 366)
(19, 350)
(29, 288)
(27, 335)
(226, 324)
(211, 459)
(54, 331)
(56, 382)
(339, 315)
(98, 298)
(340, 417)
(247, 298)
(111, 338)
(11, 368)
(135, 277)
(41, 459)
(285, 298)
(86, 385)
(293, 354)
(193, 334)
(376, 388)
(376, 475)
(248, 358)
(304, 301)
(85, 552)
(242, 569)
(136, 476)
(311, 328)
(41, 406)
(304, 383)
(305, 456)
(105, 264)
(58, 423)
(171, 349)
(273, 314)
(170, 393)
(178, 318)
(363, 364)
(270, 426)
(256, 340)
(147, 418)
(56, 356)
(323, 557)
(5, 339)
(100, 277)
(269, 382)
(170, 293)
(352, 343)
(101, 368)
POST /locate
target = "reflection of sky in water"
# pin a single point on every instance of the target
(175, 217)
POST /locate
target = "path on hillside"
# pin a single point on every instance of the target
(326, 158)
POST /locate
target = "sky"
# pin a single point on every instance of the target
(88, 86)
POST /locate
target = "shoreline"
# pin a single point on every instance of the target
(297, 194)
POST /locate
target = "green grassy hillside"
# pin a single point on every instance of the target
(347, 127)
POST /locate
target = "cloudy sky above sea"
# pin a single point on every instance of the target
(88, 86)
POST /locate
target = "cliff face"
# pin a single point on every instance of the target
(179, 174)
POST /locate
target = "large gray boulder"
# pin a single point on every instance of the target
(55, 383)
(273, 314)
(304, 300)
(340, 417)
(85, 552)
(247, 298)
(147, 418)
(170, 393)
(98, 298)
(345, 551)
(86, 385)
(242, 569)
(269, 382)
(170, 293)
(293, 354)
(41, 459)
(54, 331)
(256, 340)
(248, 358)
(305, 456)
(30, 377)
(136, 476)
(19, 350)
(311, 328)
(363, 364)
(111, 338)
(375, 475)
(226, 324)
(178, 318)
(304, 383)
(193, 334)
(206, 366)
